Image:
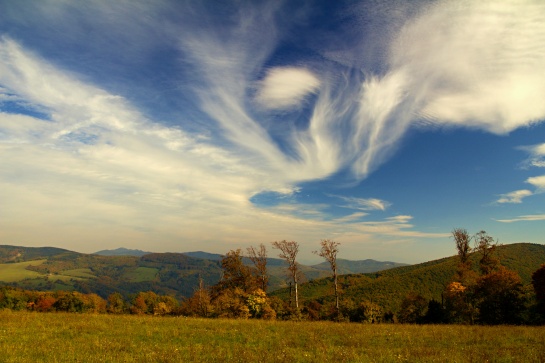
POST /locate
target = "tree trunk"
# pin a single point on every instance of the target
(336, 291)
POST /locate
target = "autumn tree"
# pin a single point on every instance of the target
(116, 303)
(259, 259)
(200, 304)
(288, 252)
(328, 251)
(235, 273)
(493, 297)
(500, 297)
(413, 309)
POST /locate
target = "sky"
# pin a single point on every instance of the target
(176, 126)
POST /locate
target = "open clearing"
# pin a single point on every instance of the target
(62, 337)
(12, 272)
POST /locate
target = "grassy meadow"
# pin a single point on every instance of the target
(11, 272)
(64, 337)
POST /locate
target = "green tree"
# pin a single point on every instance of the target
(71, 302)
(116, 304)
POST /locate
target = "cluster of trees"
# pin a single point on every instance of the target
(482, 291)
(75, 302)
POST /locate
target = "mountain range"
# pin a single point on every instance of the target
(129, 271)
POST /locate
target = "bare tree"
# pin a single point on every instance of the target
(462, 239)
(288, 252)
(259, 259)
(329, 252)
(486, 246)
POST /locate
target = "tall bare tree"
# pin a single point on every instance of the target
(463, 240)
(288, 252)
(259, 259)
(329, 252)
(486, 246)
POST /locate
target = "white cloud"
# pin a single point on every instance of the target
(465, 64)
(97, 171)
(366, 204)
(537, 155)
(351, 218)
(286, 87)
(514, 197)
(482, 68)
(537, 181)
(526, 218)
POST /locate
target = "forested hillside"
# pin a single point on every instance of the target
(129, 272)
(388, 288)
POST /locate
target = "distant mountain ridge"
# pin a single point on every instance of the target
(178, 274)
(122, 251)
(129, 270)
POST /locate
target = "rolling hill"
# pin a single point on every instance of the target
(388, 288)
(130, 271)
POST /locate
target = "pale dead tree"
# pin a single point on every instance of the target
(259, 259)
(288, 252)
(329, 252)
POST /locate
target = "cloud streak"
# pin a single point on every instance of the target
(526, 218)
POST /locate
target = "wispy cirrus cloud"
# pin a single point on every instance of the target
(526, 218)
(254, 121)
(364, 204)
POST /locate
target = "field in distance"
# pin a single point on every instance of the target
(63, 337)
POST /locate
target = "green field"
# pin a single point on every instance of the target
(62, 337)
(11, 272)
(81, 273)
(141, 274)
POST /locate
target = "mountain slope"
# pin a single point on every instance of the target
(122, 270)
(388, 288)
(361, 266)
(18, 254)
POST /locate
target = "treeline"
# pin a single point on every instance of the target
(481, 291)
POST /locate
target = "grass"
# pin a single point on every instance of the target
(56, 337)
(82, 273)
(141, 274)
(12, 272)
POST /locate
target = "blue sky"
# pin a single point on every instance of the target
(211, 125)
